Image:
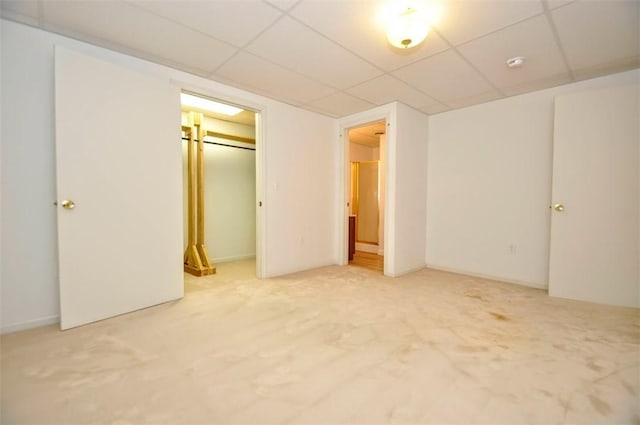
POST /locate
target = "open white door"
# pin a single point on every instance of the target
(595, 225)
(118, 160)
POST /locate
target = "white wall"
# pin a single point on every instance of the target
(299, 174)
(489, 185)
(300, 191)
(360, 153)
(28, 229)
(381, 153)
(409, 177)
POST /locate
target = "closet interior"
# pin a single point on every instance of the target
(219, 183)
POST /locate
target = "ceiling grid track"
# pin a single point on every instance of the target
(289, 51)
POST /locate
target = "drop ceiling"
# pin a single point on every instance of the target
(332, 57)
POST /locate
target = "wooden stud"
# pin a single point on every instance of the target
(192, 263)
(191, 199)
(231, 137)
(196, 259)
(202, 250)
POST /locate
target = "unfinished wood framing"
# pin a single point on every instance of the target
(196, 258)
(231, 137)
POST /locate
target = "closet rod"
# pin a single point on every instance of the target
(221, 144)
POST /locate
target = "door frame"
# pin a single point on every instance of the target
(387, 114)
(260, 111)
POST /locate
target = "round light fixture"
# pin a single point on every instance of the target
(408, 28)
(515, 62)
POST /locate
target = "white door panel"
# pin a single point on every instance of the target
(594, 242)
(118, 158)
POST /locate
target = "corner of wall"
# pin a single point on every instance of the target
(29, 324)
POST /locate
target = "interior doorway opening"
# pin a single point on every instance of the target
(366, 188)
(219, 142)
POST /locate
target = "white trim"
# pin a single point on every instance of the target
(291, 270)
(232, 258)
(411, 270)
(30, 324)
(261, 180)
(261, 193)
(490, 277)
(388, 114)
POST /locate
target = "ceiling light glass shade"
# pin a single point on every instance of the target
(408, 28)
(208, 105)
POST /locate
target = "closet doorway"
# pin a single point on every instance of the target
(220, 231)
(366, 195)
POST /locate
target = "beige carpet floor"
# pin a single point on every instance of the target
(336, 345)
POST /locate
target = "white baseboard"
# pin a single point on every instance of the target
(490, 277)
(288, 271)
(234, 258)
(405, 272)
(29, 324)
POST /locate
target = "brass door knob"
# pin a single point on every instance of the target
(68, 204)
(558, 207)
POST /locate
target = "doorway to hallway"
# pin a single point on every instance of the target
(366, 195)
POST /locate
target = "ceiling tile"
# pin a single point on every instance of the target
(271, 79)
(464, 20)
(532, 39)
(608, 68)
(444, 77)
(541, 84)
(296, 47)
(355, 25)
(387, 89)
(594, 33)
(554, 4)
(435, 108)
(474, 100)
(130, 29)
(340, 104)
(330, 56)
(236, 22)
(282, 4)
(25, 11)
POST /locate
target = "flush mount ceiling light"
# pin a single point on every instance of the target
(407, 27)
(515, 62)
(208, 105)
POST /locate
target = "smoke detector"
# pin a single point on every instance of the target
(515, 62)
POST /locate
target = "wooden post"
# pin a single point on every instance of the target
(202, 250)
(196, 260)
(191, 199)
